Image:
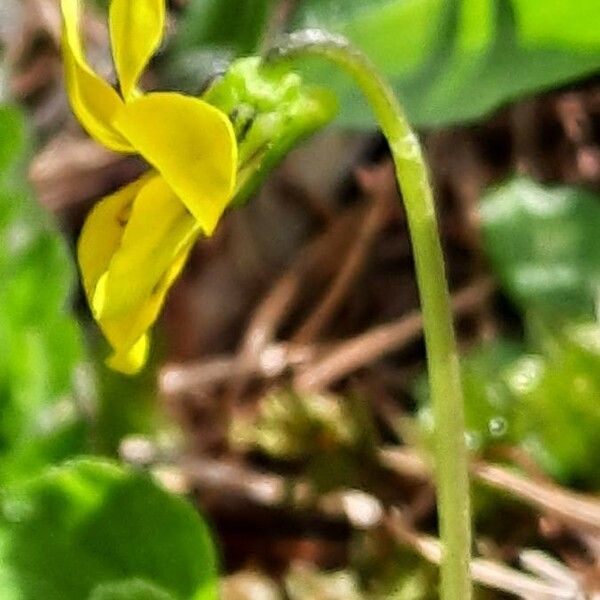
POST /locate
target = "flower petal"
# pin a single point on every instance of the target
(136, 30)
(192, 145)
(158, 228)
(133, 246)
(103, 232)
(127, 334)
(132, 360)
(93, 100)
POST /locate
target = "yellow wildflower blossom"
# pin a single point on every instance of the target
(135, 242)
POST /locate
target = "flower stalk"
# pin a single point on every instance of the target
(451, 465)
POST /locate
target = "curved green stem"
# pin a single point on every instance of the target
(442, 355)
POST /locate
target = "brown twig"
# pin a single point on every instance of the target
(573, 509)
(262, 330)
(279, 301)
(273, 359)
(578, 127)
(198, 376)
(486, 572)
(72, 169)
(364, 349)
(351, 268)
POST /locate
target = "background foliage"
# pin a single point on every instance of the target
(96, 529)
(42, 421)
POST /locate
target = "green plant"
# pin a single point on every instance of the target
(92, 529)
(442, 354)
(457, 60)
(43, 419)
(89, 528)
(448, 60)
(540, 393)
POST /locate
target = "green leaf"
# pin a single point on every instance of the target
(559, 414)
(457, 60)
(489, 402)
(546, 403)
(379, 28)
(41, 343)
(91, 529)
(12, 142)
(135, 589)
(128, 405)
(237, 26)
(212, 33)
(544, 245)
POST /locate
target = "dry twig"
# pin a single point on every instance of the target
(486, 572)
(351, 267)
(346, 357)
(573, 509)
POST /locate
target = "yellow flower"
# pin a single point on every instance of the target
(135, 242)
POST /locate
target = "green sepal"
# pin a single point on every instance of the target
(272, 110)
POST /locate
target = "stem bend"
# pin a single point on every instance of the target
(451, 459)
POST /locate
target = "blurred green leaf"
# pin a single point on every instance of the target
(210, 35)
(290, 426)
(547, 403)
(489, 402)
(41, 343)
(237, 26)
(558, 415)
(128, 405)
(456, 60)
(12, 142)
(379, 28)
(90, 529)
(135, 589)
(544, 245)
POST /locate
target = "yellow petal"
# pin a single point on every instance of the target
(130, 361)
(136, 29)
(111, 264)
(193, 146)
(127, 333)
(93, 100)
(103, 232)
(158, 228)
